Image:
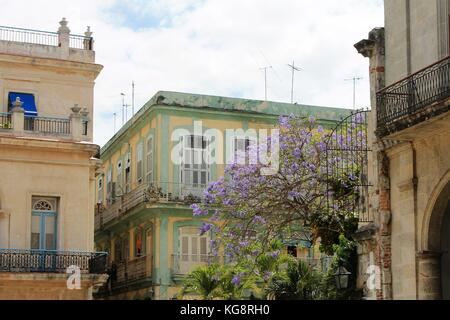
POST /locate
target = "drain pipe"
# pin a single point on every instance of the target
(415, 182)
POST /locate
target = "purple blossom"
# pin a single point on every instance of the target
(275, 254)
(259, 219)
(205, 228)
(244, 244)
(320, 129)
(267, 275)
(297, 153)
(294, 194)
(236, 280)
(284, 121)
(198, 211)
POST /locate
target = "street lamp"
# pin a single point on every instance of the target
(342, 276)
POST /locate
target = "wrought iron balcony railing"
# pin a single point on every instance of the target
(5, 121)
(127, 272)
(148, 193)
(414, 99)
(51, 261)
(43, 38)
(183, 264)
(47, 125)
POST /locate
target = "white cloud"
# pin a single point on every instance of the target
(215, 47)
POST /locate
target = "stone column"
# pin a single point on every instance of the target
(379, 238)
(88, 43)
(429, 275)
(18, 117)
(75, 123)
(64, 38)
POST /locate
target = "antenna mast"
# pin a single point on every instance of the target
(124, 109)
(132, 98)
(354, 79)
(294, 68)
(114, 115)
(265, 80)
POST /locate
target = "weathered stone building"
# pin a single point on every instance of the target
(47, 165)
(409, 239)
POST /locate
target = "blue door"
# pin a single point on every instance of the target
(43, 235)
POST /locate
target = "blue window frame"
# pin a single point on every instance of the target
(43, 224)
(29, 104)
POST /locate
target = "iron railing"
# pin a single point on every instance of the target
(405, 103)
(5, 121)
(84, 124)
(43, 38)
(147, 193)
(130, 271)
(47, 125)
(183, 264)
(51, 261)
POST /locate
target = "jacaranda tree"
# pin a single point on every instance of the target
(248, 211)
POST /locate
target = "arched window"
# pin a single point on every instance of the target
(43, 205)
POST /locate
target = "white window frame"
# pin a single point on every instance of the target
(109, 185)
(188, 172)
(149, 160)
(100, 190)
(189, 238)
(119, 190)
(140, 163)
(127, 172)
(237, 147)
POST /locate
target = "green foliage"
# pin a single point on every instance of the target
(203, 281)
(299, 282)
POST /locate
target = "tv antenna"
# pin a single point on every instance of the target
(124, 108)
(265, 80)
(294, 68)
(355, 80)
(132, 98)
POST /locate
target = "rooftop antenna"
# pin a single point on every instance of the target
(294, 68)
(132, 97)
(115, 116)
(354, 79)
(265, 80)
(124, 108)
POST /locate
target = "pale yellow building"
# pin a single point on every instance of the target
(48, 165)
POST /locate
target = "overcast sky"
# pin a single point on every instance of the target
(215, 47)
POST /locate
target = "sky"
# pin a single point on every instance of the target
(216, 47)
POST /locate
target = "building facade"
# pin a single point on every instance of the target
(48, 165)
(143, 217)
(410, 195)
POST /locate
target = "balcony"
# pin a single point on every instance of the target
(16, 124)
(43, 38)
(182, 264)
(417, 98)
(5, 121)
(128, 275)
(158, 192)
(50, 261)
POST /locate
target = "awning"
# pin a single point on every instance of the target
(29, 105)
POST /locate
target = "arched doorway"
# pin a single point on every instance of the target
(445, 257)
(434, 262)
